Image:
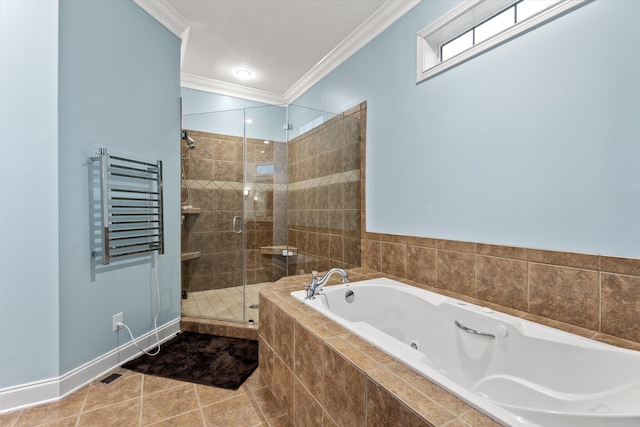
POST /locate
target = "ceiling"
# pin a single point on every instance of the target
(287, 45)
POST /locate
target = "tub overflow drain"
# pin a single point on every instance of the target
(349, 296)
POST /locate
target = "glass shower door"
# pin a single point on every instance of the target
(212, 207)
(265, 202)
(234, 210)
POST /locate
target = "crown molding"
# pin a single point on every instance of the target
(165, 14)
(192, 81)
(386, 15)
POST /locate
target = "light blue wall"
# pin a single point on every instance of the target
(28, 191)
(534, 143)
(119, 89)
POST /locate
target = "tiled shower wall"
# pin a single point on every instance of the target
(214, 173)
(324, 193)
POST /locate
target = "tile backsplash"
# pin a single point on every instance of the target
(595, 292)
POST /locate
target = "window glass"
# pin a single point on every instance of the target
(495, 25)
(528, 8)
(265, 169)
(457, 45)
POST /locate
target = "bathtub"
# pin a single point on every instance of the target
(517, 372)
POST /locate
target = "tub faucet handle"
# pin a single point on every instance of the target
(318, 283)
(311, 288)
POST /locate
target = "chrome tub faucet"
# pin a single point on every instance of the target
(318, 283)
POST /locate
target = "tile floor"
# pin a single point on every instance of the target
(138, 400)
(224, 304)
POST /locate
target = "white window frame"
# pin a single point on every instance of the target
(462, 18)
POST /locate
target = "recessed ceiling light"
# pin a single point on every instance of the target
(248, 121)
(266, 142)
(243, 74)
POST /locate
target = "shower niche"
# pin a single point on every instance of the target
(267, 192)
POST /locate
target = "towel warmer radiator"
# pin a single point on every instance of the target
(132, 220)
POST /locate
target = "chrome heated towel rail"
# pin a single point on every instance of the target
(132, 220)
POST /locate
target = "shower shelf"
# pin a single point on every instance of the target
(191, 210)
(279, 250)
(186, 256)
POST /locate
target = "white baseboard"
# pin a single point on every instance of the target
(39, 392)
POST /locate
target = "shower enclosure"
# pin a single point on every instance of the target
(267, 192)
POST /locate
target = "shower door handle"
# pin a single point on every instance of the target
(234, 227)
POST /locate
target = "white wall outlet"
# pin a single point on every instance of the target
(117, 318)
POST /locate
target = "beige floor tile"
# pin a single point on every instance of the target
(209, 395)
(158, 401)
(65, 422)
(168, 403)
(9, 419)
(128, 387)
(120, 415)
(281, 421)
(267, 403)
(235, 412)
(153, 384)
(55, 411)
(255, 381)
(189, 419)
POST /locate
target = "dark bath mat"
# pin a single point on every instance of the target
(203, 359)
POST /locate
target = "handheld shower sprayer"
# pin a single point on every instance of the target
(190, 142)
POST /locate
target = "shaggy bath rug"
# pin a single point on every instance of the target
(203, 359)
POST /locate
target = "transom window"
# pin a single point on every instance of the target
(478, 25)
(509, 17)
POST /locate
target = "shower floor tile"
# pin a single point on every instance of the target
(224, 304)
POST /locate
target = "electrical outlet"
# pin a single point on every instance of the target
(117, 318)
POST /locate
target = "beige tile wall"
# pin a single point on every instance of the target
(595, 292)
(325, 193)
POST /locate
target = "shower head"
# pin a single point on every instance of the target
(190, 142)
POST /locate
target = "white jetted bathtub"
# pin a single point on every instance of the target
(518, 372)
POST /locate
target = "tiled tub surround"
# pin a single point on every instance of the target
(595, 292)
(214, 174)
(321, 374)
(324, 193)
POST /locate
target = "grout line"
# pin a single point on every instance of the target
(142, 380)
(84, 403)
(199, 405)
(255, 404)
